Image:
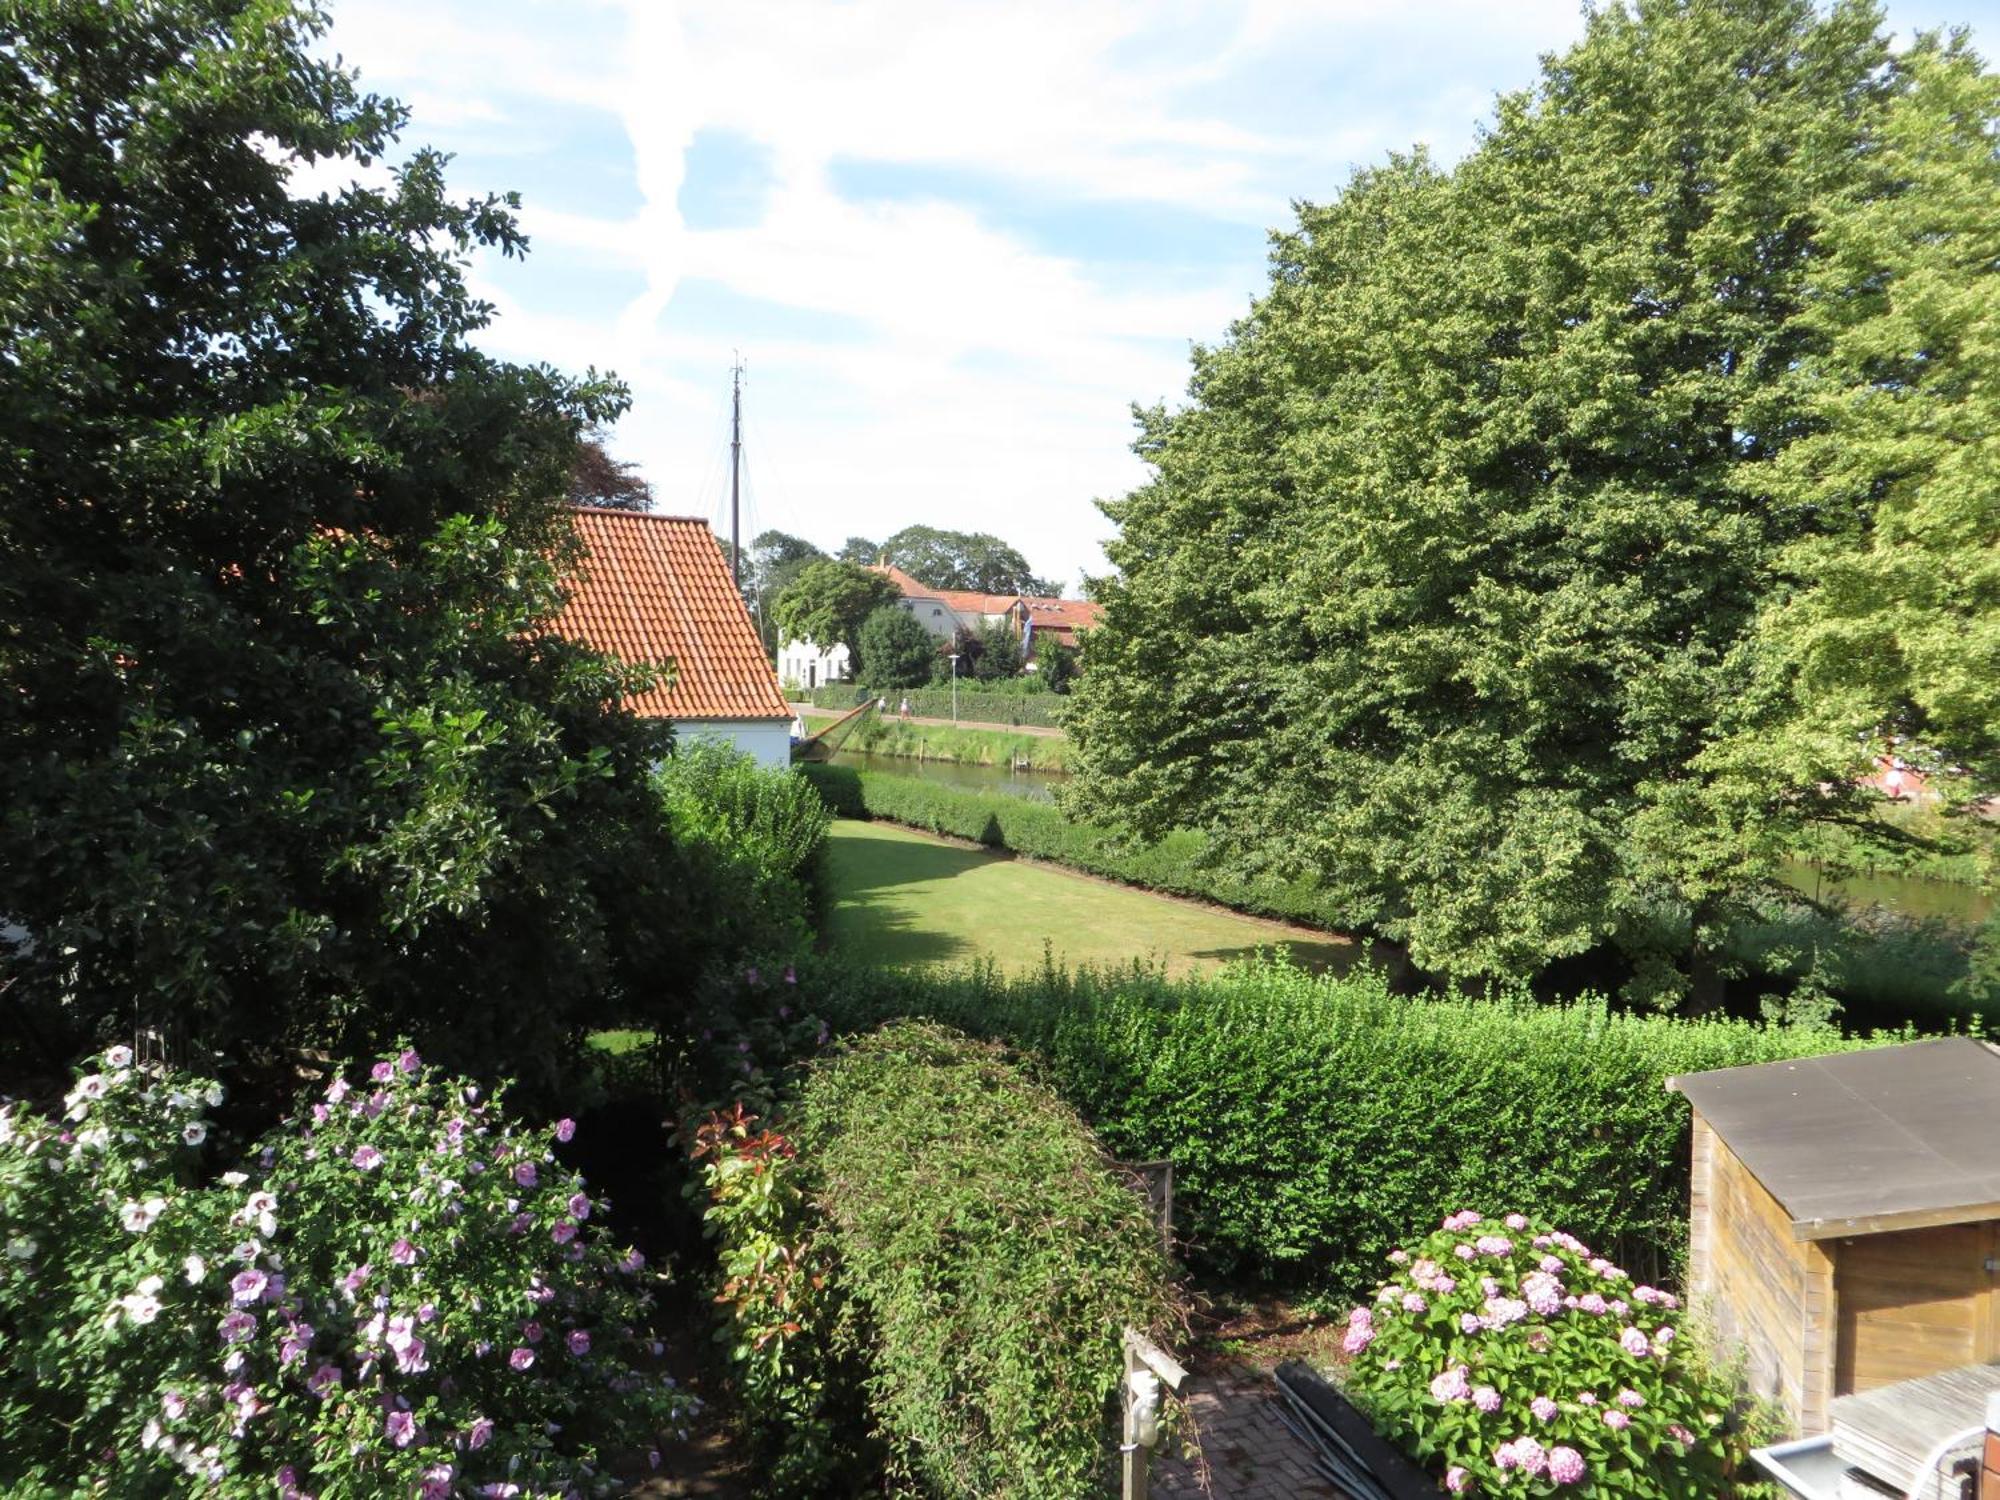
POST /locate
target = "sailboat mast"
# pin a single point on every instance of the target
(736, 472)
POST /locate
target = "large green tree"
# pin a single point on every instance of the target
(972, 560)
(287, 756)
(775, 559)
(1443, 589)
(896, 651)
(827, 602)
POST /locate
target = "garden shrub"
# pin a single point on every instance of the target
(799, 1402)
(988, 1259)
(757, 837)
(400, 1292)
(1312, 1119)
(1176, 864)
(1511, 1359)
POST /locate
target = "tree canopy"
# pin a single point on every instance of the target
(287, 756)
(962, 560)
(828, 601)
(1446, 584)
(896, 651)
(596, 478)
(774, 558)
(859, 551)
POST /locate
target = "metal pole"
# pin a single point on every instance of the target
(954, 687)
(735, 473)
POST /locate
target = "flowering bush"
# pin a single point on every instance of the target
(1516, 1362)
(403, 1293)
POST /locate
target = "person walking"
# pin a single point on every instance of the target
(905, 710)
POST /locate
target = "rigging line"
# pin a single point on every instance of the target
(786, 512)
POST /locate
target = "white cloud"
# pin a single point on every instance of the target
(989, 382)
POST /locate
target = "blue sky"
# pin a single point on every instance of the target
(952, 241)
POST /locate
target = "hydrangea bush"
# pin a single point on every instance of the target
(1515, 1362)
(402, 1292)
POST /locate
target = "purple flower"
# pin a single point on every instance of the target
(579, 1206)
(237, 1326)
(563, 1232)
(1631, 1398)
(382, 1072)
(1456, 1479)
(1544, 1409)
(1634, 1343)
(400, 1428)
(521, 1358)
(410, 1357)
(174, 1404)
(1358, 1337)
(1470, 1322)
(579, 1341)
(323, 1380)
(1414, 1303)
(524, 1174)
(427, 1312)
(351, 1282)
(1494, 1244)
(409, 1062)
(1486, 1399)
(1524, 1453)
(246, 1287)
(403, 1253)
(1565, 1465)
(1593, 1304)
(1516, 1221)
(367, 1158)
(1616, 1420)
(479, 1434)
(565, 1130)
(1451, 1385)
(532, 1332)
(634, 1261)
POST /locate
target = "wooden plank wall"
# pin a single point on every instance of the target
(1765, 1293)
(1914, 1302)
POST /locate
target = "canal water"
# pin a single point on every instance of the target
(1903, 895)
(1036, 786)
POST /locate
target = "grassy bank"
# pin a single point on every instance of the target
(961, 746)
(902, 898)
(982, 703)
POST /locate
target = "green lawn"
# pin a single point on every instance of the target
(907, 898)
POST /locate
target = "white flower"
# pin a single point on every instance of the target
(7, 1125)
(151, 1285)
(260, 1206)
(96, 1139)
(179, 1100)
(93, 1087)
(194, 1133)
(213, 1094)
(20, 1247)
(139, 1217)
(118, 1057)
(142, 1306)
(232, 1179)
(195, 1267)
(246, 1252)
(149, 1438)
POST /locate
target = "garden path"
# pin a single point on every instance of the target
(1250, 1454)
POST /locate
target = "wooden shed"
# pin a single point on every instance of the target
(1846, 1217)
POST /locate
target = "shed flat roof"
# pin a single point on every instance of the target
(1859, 1142)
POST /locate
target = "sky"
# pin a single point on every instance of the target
(951, 241)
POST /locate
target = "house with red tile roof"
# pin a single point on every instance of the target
(655, 591)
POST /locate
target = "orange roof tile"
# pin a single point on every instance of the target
(656, 590)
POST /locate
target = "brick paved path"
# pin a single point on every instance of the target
(1251, 1454)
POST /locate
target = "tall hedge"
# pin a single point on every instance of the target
(987, 703)
(1315, 1122)
(990, 1257)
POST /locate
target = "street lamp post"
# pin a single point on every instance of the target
(954, 687)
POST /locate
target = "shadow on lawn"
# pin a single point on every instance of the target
(873, 862)
(1316, 958)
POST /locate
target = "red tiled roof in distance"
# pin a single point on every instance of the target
(656, 590)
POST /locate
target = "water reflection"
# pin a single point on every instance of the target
(1966, 905)
(1036, 786)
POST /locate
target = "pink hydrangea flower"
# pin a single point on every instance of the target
(1486, 1399)
(1516, 1221)
(1413, 1302)
(1551, 1264)
(1463, 1219)
(1680, 1435)
(1565, 1465)
(174, 1404)
(1357, 1338)
(1616, 1420)
(1470, 1323)
(1451, 1385)
(1587, 1398)
(1399, 1257)
(1631, 1398)
(1634, 1343)
(1544, 1409)
(1503, 1311)
(1463, 1252)
(1591, 1303)
(1456, 1479)
(1494, 1244)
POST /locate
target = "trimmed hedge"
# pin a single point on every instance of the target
(989, 1255)
(1313, 1121)
(1175, 864)
(975, 705)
